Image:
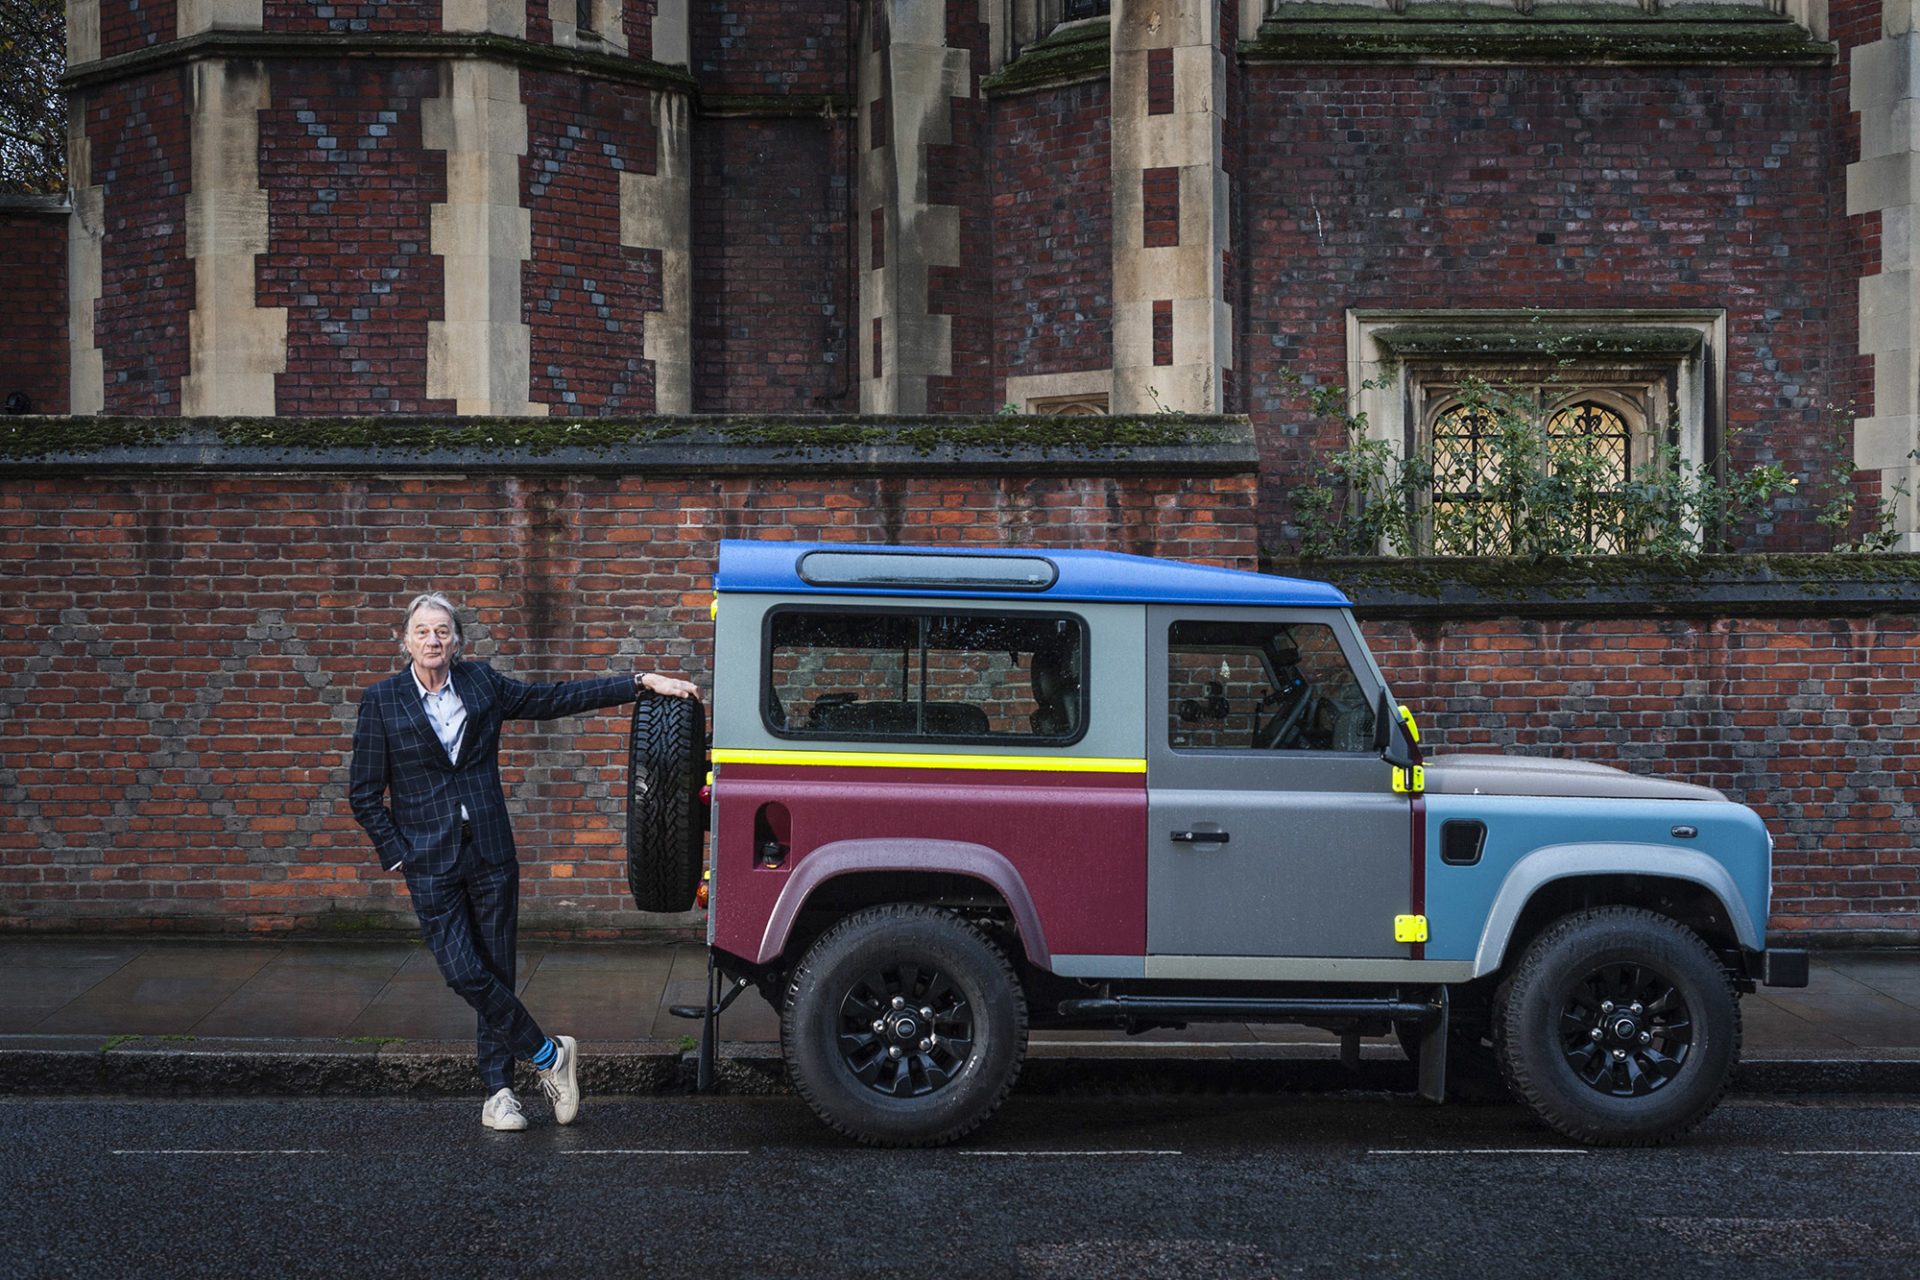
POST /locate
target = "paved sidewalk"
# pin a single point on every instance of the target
(374, 1017)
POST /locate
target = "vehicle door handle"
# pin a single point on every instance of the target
(1198, 837)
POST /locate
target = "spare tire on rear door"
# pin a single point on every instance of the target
(666, 766)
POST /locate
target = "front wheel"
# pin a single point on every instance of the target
(904, 1026)
(1618, 1028)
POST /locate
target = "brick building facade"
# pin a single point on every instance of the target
(637, 210)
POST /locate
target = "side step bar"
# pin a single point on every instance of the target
(1429, 1015)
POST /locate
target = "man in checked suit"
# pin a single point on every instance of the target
(426, 786)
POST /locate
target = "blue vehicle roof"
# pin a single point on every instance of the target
(1109, 576)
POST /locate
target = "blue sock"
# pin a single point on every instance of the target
(544, 1059)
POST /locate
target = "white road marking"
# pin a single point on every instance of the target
(1483, 1151)
(1080, 1154)
(654, 1151)
(219, 1151)
(1850, 1153)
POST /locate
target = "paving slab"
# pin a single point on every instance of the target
(166, 988)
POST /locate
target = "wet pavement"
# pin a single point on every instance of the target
(374, 1016)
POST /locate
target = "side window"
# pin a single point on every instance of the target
(940, 676)
(1263, 686)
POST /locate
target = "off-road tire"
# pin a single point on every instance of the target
(846, 982)
(1670, 988)
(666, 837)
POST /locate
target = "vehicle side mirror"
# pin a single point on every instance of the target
(1388, 738)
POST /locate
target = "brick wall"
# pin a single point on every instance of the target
(395, 16)
(136, 24)
(1809, 720)
(138, 135)
(350, 192)
(33, 341)
(1530, 187)
(754, 46)
(180, 659)
(584, 294)
(771, 316)
(1053, 231)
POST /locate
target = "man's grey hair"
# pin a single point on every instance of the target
(432, 600)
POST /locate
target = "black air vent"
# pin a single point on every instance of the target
(1461, 842)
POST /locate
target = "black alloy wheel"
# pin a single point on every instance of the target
(1625, 1030)
(905, 1029)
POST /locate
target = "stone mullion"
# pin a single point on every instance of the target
(1181, 282)
(913, 78)
(1885, 90)
(656, 212)
(235, 347)
(480, 355)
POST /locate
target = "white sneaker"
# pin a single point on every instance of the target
(562, 1082)
(503, 1112)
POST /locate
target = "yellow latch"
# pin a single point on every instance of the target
(1409, 928)
(1410, 782)
(1406, 718)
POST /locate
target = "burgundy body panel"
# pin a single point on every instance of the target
(1067, 850)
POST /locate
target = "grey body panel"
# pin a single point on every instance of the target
(1540, 776)
(1318, 860)
(1115, 728)
(1099, 966)
(1306, 969)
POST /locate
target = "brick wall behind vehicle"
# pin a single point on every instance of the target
(350, 196)
(584, 294)
(181, 658)
(1053, 231)
(1810, 721)
(33, 341)
(770, 254)
(1477, 187)
(138, 135)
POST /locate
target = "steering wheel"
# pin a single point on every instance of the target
(1278, 731)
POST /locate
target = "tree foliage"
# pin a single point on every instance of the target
(33, 111)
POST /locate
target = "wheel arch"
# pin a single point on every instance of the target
(1691, 887)
(860, 873)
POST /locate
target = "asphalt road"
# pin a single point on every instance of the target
(1218, 1187)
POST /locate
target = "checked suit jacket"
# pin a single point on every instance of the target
(407, 793)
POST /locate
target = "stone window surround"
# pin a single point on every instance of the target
(1414, 356)
(1022, 390)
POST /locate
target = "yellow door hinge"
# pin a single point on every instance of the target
(1411, 781)
(1409, 928)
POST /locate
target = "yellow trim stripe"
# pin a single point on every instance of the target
(903, 760)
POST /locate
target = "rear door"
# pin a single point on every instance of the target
(1272, 825)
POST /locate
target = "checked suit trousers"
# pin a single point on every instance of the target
(468, 917)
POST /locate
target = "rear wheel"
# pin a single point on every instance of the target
(904, 1026)
(1618, 1027)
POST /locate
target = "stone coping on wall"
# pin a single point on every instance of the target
(1159, 444)
(51, 206)
(340, 47)
(1711, 586)
(1577, 35)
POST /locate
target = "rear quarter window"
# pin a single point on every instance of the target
(935, 675)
